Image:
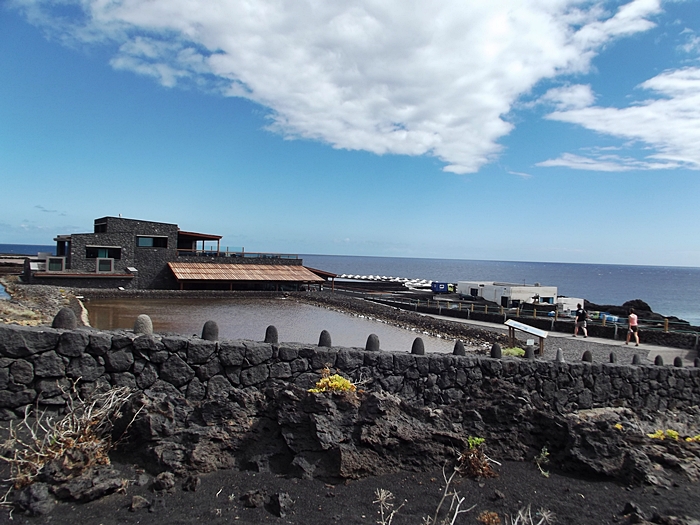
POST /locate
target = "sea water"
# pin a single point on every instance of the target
(669, 290)
(26, 249)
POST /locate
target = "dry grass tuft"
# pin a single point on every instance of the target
(525, 517)
(74, 442)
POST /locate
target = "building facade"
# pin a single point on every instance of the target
(136, 254)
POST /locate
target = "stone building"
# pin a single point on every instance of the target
(135, 254)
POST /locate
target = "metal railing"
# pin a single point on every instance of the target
(541, 311)
(242, 254)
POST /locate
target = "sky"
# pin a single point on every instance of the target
(515, 130)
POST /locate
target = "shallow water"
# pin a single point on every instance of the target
(249, 319)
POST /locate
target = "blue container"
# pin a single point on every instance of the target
(437, 287)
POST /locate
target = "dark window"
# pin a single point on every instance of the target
(105, 265)
(96, 252)
(474, 292)
(100, 227)
(152, 242)
(55, 264)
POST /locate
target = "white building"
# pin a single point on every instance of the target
(508, 295)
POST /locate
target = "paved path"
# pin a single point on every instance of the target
(560, 339)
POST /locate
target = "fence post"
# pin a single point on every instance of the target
(534, 312)
(666, 324)
(486, 308)
(501, 310)
(471, 307)
(604, 320)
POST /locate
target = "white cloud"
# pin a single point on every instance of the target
(570, 97)
(669, 124)
(407, 77)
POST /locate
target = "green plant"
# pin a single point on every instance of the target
(513, 352)
(475, 442)
(542, 459)
(661, 435)
(473, 462)
(332, 383)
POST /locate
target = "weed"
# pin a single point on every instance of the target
(81, 438)
(473, 462)
(332, 383)
(542, 459)
(455, 504)
(670, 434)
(514, 352)
(525, 517)
(385, 499)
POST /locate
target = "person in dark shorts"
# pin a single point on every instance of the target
(632, 327)
(581, 317)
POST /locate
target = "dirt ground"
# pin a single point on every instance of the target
(217, 500)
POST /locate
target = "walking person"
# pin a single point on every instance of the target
(632, 327)
(581, 316)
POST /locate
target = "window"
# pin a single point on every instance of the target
(151, 242)
(94, 252)
(100, 227)
(55, 264)
(105, 265)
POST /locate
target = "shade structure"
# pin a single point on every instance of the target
(276, 273)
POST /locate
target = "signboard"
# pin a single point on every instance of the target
(527, 328)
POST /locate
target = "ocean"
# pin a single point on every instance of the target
(669, 290)
(26, 249)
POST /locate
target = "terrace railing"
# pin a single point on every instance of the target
(234, 254)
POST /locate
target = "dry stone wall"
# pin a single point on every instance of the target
(38, 364)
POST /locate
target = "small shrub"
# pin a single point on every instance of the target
(332, 383)
(661, 435)
(473, 462)
(542, 459)
(514, 352)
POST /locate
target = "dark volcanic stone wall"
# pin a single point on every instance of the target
(37, 363)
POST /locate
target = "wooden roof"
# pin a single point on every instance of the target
(200, 236)
(185, 271)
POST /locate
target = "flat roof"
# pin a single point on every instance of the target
(195, 235)
(186, 271)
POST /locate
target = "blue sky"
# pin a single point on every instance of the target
(541, 130)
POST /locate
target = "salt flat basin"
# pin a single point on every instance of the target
(245, 318)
